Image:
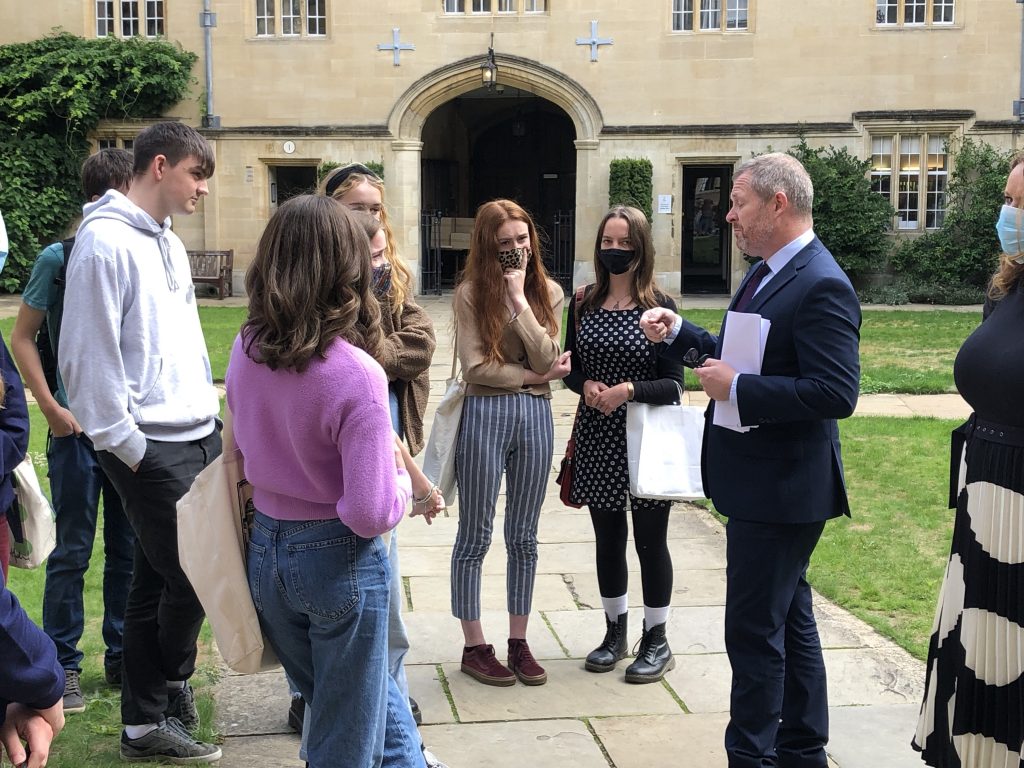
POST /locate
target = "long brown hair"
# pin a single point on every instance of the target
(401, 286)
(310, 283)
(1009, 273)
(483, 273)
(642, 288)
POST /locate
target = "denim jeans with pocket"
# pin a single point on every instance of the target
(77, 483)
(322, 596)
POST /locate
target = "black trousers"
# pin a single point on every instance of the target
(163, 616)
(778, 711)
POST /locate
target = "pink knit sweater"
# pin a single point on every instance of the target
(319, 444)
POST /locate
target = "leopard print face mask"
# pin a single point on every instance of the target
(513, 259)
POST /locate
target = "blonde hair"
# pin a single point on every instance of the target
(1009, 273)
(352, 176)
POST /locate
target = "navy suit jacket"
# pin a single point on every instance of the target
(789, 469)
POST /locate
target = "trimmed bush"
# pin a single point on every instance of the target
(631, 182)
(850, 219)
(329, 165)
(957, 261)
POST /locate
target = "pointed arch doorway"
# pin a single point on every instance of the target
(531, 138)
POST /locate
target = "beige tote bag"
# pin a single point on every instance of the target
(212, 541)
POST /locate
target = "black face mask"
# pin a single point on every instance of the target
(616, 260)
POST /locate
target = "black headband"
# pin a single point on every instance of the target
(339, 178)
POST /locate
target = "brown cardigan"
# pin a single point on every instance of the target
(525, 343)
(405, 357)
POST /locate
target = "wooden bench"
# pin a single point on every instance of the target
(212, 268)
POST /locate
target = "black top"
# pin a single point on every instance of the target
(989, 368)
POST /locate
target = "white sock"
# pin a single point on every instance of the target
(175, 685)
(615, 606)
(655, 616)
(138, 731)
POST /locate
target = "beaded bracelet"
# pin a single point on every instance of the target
(426, 498)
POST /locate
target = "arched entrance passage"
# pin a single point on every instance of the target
(458, 144)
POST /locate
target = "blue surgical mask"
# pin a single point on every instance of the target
(1010, 236)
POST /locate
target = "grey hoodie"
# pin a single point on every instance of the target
(132, 353)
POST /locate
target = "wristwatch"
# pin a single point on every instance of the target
(629, 391)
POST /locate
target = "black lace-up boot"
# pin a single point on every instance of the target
(654, 658)
(613, 648)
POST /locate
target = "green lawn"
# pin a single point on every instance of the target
(885, 563)
(91, 738)
(900, 351)
(910, 352)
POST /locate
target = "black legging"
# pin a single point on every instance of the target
(650, 535)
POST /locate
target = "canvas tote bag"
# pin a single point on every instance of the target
(663, 445)
(213, 534)
(439, 455)
(32, 522)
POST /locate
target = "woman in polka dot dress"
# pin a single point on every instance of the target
(613, 362)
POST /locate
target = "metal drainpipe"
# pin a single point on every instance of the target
(208, 20)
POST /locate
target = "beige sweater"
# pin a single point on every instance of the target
(525, 343)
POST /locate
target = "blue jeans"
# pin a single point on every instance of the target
(76, 484)
(321, 593)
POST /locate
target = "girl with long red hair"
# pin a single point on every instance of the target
(507, 317)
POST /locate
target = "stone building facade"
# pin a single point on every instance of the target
(695, 86)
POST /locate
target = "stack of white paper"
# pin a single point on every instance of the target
(743, 348)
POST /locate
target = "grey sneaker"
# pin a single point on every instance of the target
(181, 704)
(73, 699)
(431, 759)
(171, 743)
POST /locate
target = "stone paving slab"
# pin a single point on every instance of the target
(253, 704)
(690, 630)
(570, 692)
(531, 743)
(425, 686)
(690, 741)
(433, 593)
(261, 751)
(856, 677)
(696, 587)
(562, 557)
(870, 737)
(437, 637)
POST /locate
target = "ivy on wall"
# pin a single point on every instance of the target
(631, 182)
(53, 94)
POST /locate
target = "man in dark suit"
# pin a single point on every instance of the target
(780, 481)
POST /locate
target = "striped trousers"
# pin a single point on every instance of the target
(510, 434)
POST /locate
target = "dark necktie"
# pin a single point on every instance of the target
(748, 290)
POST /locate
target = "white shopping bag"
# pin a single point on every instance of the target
(663, 445)
(34, 530)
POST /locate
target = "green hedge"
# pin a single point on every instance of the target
(329, 165)
(630, 182)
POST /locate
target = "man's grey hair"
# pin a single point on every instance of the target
(779, 172)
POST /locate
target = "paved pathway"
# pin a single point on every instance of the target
(588, 720)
